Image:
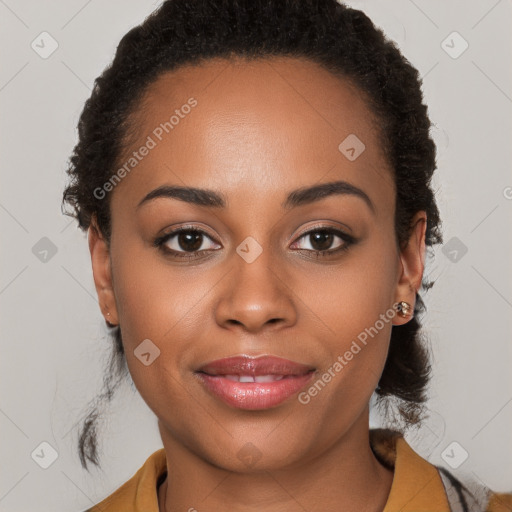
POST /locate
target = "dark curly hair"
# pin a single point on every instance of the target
(342, 40)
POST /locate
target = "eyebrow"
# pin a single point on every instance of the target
(300, 197)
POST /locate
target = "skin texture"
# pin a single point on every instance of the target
(260, 130)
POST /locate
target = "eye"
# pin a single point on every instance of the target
(320, 240)
(185, 242)
(188, 242)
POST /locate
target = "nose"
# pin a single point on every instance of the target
(256, 296)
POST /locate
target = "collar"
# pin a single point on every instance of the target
(417, 485)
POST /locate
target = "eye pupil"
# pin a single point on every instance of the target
(324, 238)
(185, 238)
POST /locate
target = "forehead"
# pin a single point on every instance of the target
(256, 126)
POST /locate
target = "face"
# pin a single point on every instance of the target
(271, 261)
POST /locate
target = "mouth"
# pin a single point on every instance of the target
(254, 383)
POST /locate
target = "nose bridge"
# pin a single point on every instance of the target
(255, 294)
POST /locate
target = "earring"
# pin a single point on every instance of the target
(108, 323)
(404, 308)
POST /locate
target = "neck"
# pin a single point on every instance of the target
(344, 476)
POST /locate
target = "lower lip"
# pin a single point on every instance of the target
(254, 395)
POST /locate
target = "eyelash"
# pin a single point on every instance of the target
(162, 240)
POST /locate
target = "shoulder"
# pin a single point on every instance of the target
(419, 483)
(469, 495)
(139, 493)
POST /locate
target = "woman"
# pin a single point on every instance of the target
(254, 176)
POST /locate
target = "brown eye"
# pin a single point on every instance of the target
(322, 240)
(185, 242)
(190, 240)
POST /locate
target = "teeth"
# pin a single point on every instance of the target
(250, 378)
(268, 378)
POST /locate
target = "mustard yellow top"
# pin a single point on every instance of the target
(417, 485)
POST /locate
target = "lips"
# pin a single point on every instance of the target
(254, 383)
(255, 367)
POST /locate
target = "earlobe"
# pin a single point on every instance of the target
(102, 273)
(412, 260)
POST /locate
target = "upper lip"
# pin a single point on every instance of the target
(255, 366)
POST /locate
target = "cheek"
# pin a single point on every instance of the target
(337, 305)
(356, 304)
(352, 296)
(153, 298)
(162, 303)
(157, 300)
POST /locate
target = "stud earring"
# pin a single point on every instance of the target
(404, 308)
(108, 323)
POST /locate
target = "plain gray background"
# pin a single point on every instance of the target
(53, 340)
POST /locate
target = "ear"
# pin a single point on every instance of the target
(102, 273)
(412, 260)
